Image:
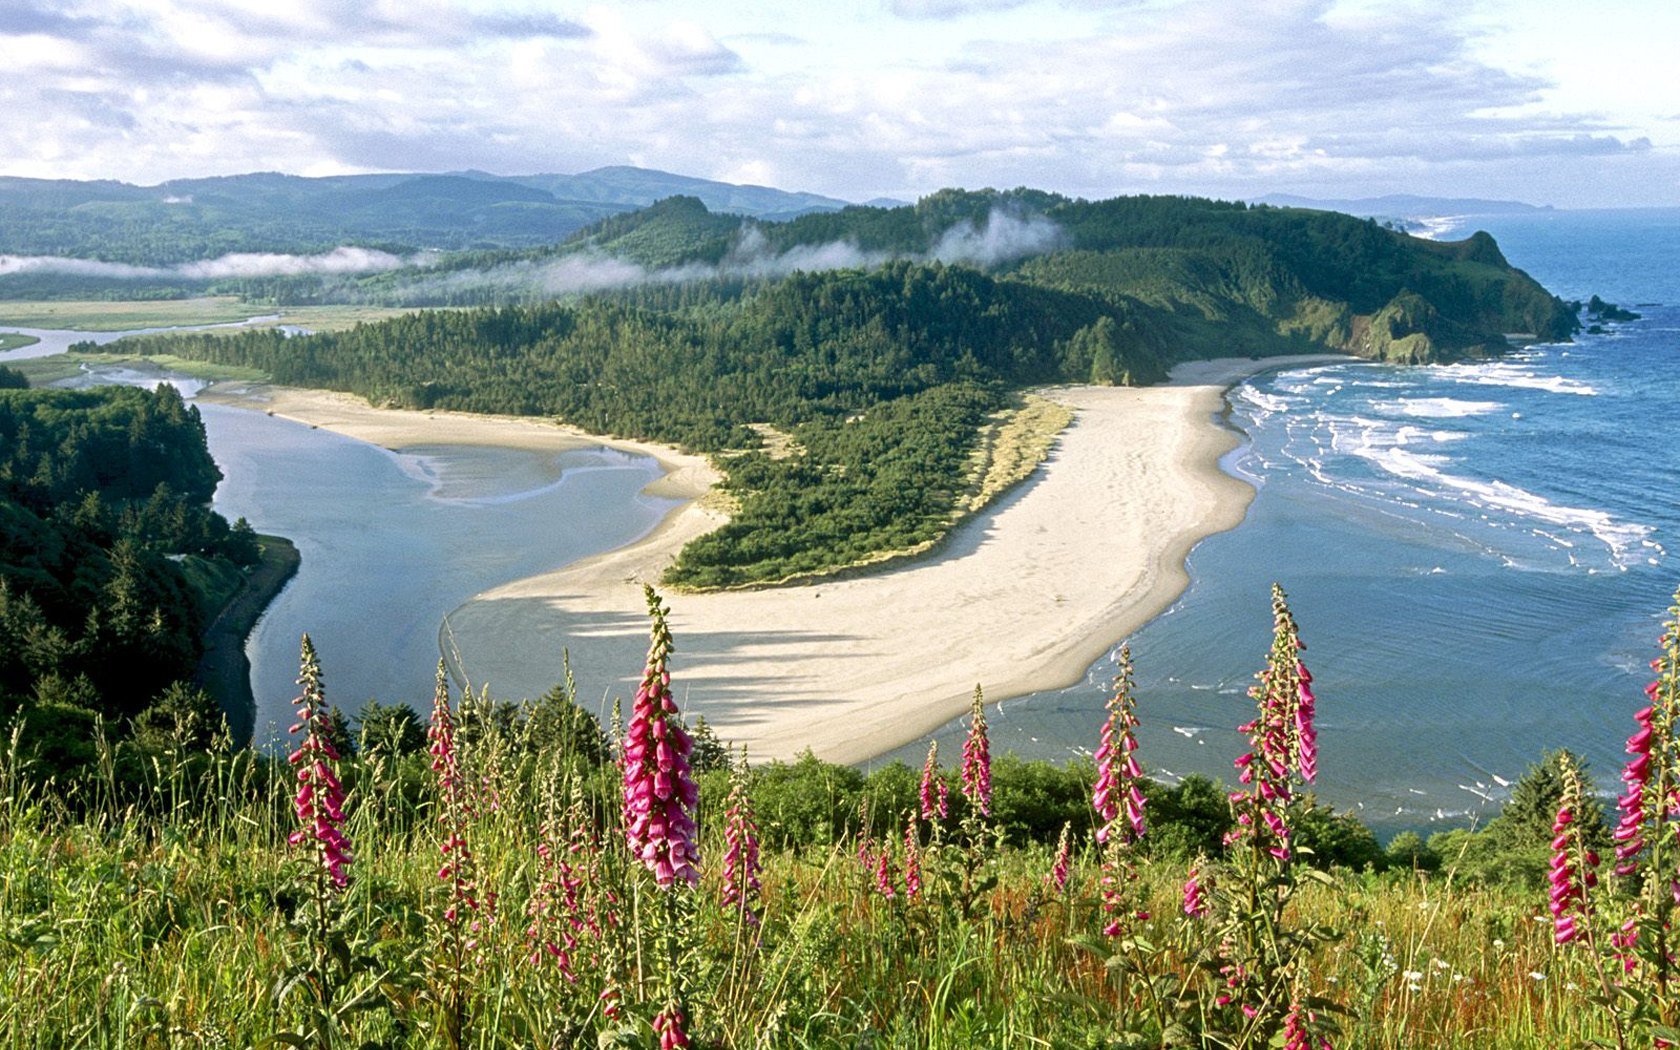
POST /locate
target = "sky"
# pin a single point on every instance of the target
(1530, 100)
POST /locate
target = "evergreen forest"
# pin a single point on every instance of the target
(111, 566)
(882, 371)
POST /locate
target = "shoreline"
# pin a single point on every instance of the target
(1023, 597)
(686, 476)
(224, 670)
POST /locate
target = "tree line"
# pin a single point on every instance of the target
(111, 562)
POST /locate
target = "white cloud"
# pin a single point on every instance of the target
(341, 260)
(1085, 96)
(1004, 237)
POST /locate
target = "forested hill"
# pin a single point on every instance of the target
(110, 562)
(1206, 276)
(192, 219)
(1273, 273)
(882, 340)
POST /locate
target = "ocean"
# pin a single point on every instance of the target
(1479, 556)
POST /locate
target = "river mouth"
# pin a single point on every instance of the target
(391, 541)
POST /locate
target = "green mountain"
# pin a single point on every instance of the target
(883, 342)
(1207, 277)
(639, 187)
(190, 219)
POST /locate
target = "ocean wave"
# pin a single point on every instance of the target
(1265, 403)
(1509, 373)
(1434, 227)
(1362, 435)
(1624, 540)
(1442, 407)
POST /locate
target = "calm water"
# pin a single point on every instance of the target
(1478, 555)
(391, 542)
(56, 341)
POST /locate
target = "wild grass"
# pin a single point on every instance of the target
(493, 902)
(171, 928)
(100, 315)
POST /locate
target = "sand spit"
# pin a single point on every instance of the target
(1024, 597)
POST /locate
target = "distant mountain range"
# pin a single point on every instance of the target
(186, 219)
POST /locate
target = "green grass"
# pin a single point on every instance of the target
(116, 316)
(15, 341)
(153, 899)
(135, 928)
(96, 315)
(41, 371)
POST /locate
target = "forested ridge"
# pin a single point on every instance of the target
(190, 219)
(883, 371)
(111, 561)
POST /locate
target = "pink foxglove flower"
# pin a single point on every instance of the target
(1571, 875)
(1295, 1034)
(670, 1024)
(1062, 867)
(740, 859)
(455, 807)
(1623, 942)
(1119, 788)
(1645, 835)
(1117, 890)
(1283, 741)
(1195, 893)
(1306, 733)
(977, 759)
(1118, 800)
(554, 908)
(934, 793)
(884, 871)
(659, 791)
(1636, 777)
(912, 860)
(319, 802)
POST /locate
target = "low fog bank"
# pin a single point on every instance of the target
(1003, 238)
(417, 279)
(341, 260)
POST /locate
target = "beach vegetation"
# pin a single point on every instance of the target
(483, 886)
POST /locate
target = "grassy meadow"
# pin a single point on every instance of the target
(114, 315)
(517, 877)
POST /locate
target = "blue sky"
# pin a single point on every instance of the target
(1524, 99)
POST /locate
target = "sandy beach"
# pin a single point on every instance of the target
(1025, 596)
(686, 476)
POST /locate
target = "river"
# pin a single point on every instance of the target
(391, 541)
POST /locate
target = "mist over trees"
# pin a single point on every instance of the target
(882, 363)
